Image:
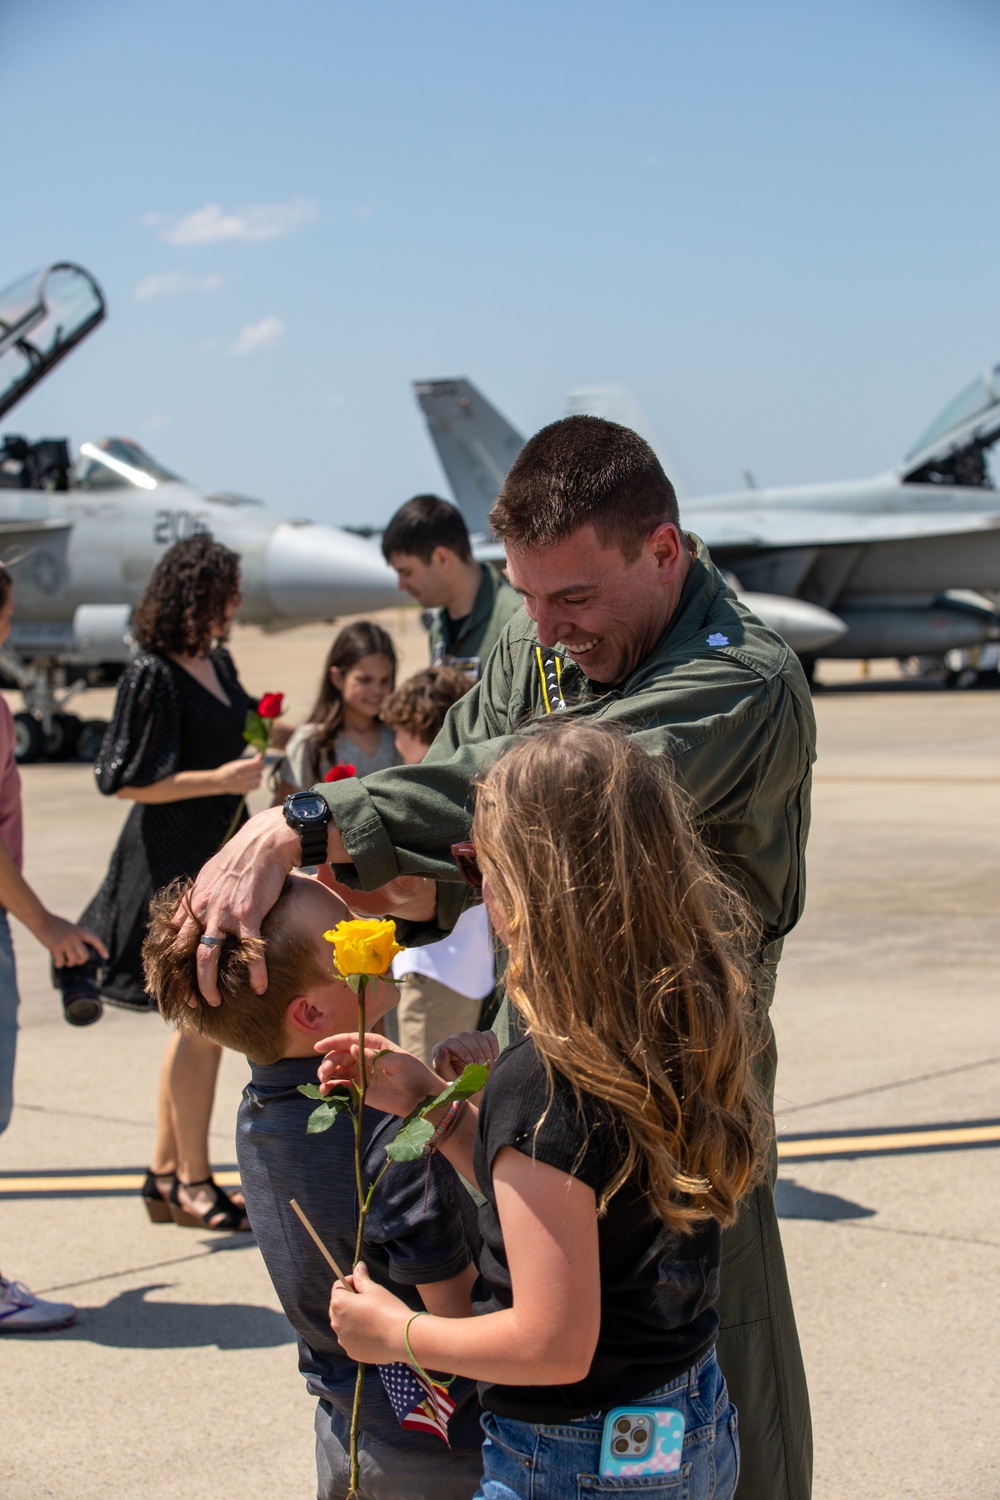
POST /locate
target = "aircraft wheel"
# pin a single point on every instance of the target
(88, 740)
(60, 742)
(29, 738)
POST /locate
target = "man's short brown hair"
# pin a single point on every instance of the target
(423, 524)
(584, 471)
(245, 1021)
(419, 705)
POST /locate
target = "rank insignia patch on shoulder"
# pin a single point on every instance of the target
(717, 639)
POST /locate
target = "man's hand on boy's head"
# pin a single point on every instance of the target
(397, 1081)
(451, 1057)
(234, 892)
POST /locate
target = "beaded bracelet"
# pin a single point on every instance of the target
(456, 1109)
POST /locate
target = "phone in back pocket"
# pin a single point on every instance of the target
(641, 1440)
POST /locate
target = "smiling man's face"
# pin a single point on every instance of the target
(606, 612)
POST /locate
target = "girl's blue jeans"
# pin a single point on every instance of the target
(524, 1461)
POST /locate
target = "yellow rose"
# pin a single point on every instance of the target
(363, 946)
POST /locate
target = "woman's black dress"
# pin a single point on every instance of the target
(164, 722)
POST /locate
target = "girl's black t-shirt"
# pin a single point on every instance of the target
(658, 1287)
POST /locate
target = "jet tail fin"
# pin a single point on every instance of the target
(476, 445)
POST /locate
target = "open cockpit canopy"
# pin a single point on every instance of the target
(115, 463)
(953, 449)
(42, 317)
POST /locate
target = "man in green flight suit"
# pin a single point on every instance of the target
(626, 620)
(427, 543)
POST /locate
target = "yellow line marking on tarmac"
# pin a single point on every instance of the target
(819, 1146)
(910, 1140)
(93, 1182)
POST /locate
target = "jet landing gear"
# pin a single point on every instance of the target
(42, 729)
(66, 738)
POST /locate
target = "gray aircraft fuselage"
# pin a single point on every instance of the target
(99, 547)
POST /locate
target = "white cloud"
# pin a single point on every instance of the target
(155, 423)
(364, 212)
(334, 403)
(212, 224)
(258, 336)
(172, 282)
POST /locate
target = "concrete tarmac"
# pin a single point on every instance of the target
(179, 1378)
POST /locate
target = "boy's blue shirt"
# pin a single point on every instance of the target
(421, 1228)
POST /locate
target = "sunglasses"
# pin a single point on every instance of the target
(467, 860)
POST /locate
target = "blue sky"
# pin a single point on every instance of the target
(777, 221)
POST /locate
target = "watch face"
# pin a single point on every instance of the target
(307, 807)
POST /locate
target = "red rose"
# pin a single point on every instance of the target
(340, 772)
(269, 706)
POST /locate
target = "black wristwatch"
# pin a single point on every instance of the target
(309, 815)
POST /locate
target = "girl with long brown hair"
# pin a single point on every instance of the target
(345, 726)
(612, 1142)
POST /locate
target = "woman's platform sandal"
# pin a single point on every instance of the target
(157, 1198)
(223, 1215)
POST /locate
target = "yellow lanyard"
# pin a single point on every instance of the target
(551, 684)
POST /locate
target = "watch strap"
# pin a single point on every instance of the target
(313, 838)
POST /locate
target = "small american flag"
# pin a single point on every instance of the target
(420, 1404)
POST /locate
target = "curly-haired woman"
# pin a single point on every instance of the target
(175, 749)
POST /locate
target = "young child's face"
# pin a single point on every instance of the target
(410, 748)
(365, 686)
(314, 910)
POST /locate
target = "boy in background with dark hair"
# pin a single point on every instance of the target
(442, 986)
(421, 1225)
(427, 543)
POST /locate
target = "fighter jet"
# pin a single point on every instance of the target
(81, 539)
(895, 566)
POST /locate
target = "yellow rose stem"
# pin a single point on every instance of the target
(364, 1202)
(359, 1118)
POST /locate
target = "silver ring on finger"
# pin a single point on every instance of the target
(210, 942)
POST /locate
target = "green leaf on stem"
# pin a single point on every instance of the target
(323, 1116)
(257, 731)
(313, 1091)
(328, 1109)
(409, 1143)
(473, 1078)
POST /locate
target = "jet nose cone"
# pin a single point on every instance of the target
(313, 572)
